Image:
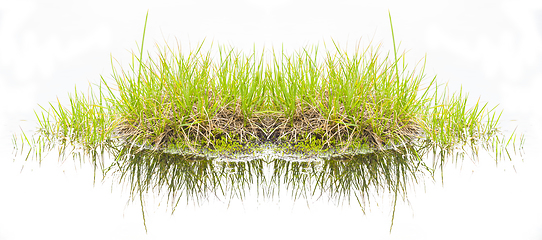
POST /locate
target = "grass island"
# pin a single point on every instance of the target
(369, 116)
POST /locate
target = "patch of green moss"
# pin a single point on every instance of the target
(310, 145)
(232, 145)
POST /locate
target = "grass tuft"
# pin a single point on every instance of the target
(168, 118)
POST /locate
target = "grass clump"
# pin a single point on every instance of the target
(325, 120)
(193, 103)
(312, 100)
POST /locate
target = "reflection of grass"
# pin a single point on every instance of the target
(196, 178)
(189, 177)
(355, 176)
(314, 101)
(342, 178)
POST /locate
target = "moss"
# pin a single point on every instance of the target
(310, 145)
(234, 145)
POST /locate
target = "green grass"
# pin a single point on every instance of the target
(200, 100)
(371, 115)
(192, 102)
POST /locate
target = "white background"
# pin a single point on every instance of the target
(491, 48)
